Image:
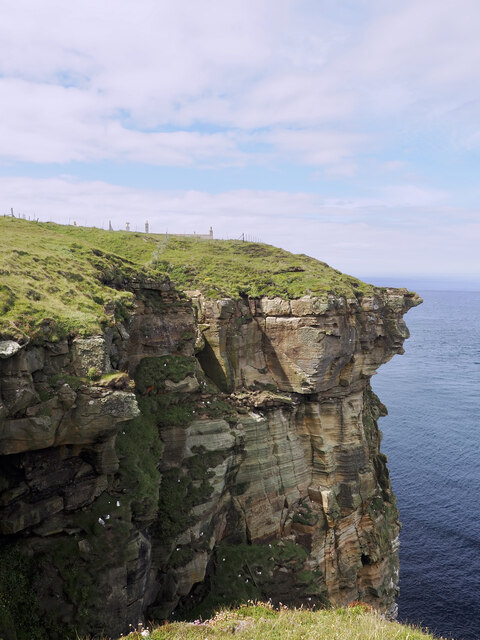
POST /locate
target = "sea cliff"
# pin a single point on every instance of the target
(198, 449)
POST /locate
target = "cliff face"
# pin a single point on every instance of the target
(201, 452)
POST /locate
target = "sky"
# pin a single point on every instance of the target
(348, 130)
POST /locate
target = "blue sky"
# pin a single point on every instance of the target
(347, 130)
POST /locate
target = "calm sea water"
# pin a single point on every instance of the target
(432, 440)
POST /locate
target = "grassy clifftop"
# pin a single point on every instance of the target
(56, 280)
(260, 622)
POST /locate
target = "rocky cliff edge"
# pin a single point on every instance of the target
(200, 452)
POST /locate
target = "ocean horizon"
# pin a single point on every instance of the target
(425, 283)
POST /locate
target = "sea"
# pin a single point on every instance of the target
(432, 439)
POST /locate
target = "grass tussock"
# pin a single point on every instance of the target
(261, 622)
(58, 280)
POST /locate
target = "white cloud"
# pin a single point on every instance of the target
(315, 147)
(71, 70)
(73, 125)
(412, 195)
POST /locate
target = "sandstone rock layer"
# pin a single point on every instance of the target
(202, 452)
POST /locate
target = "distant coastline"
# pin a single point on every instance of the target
(424, 283)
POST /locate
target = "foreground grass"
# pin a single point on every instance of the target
(261, 622)
(57, 280)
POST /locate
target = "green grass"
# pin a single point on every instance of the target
(261, 622)
(58, 280)
(53, 284)
(233, 268)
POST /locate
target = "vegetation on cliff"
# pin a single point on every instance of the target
(58, 280)
(262, 622)
(183, 522)
(252, 572)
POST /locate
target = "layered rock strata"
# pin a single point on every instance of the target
(202, 452)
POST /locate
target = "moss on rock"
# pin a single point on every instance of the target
(246, 572)
(151, 373)
(21, 616)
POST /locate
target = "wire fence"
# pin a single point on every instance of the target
(244, 237)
